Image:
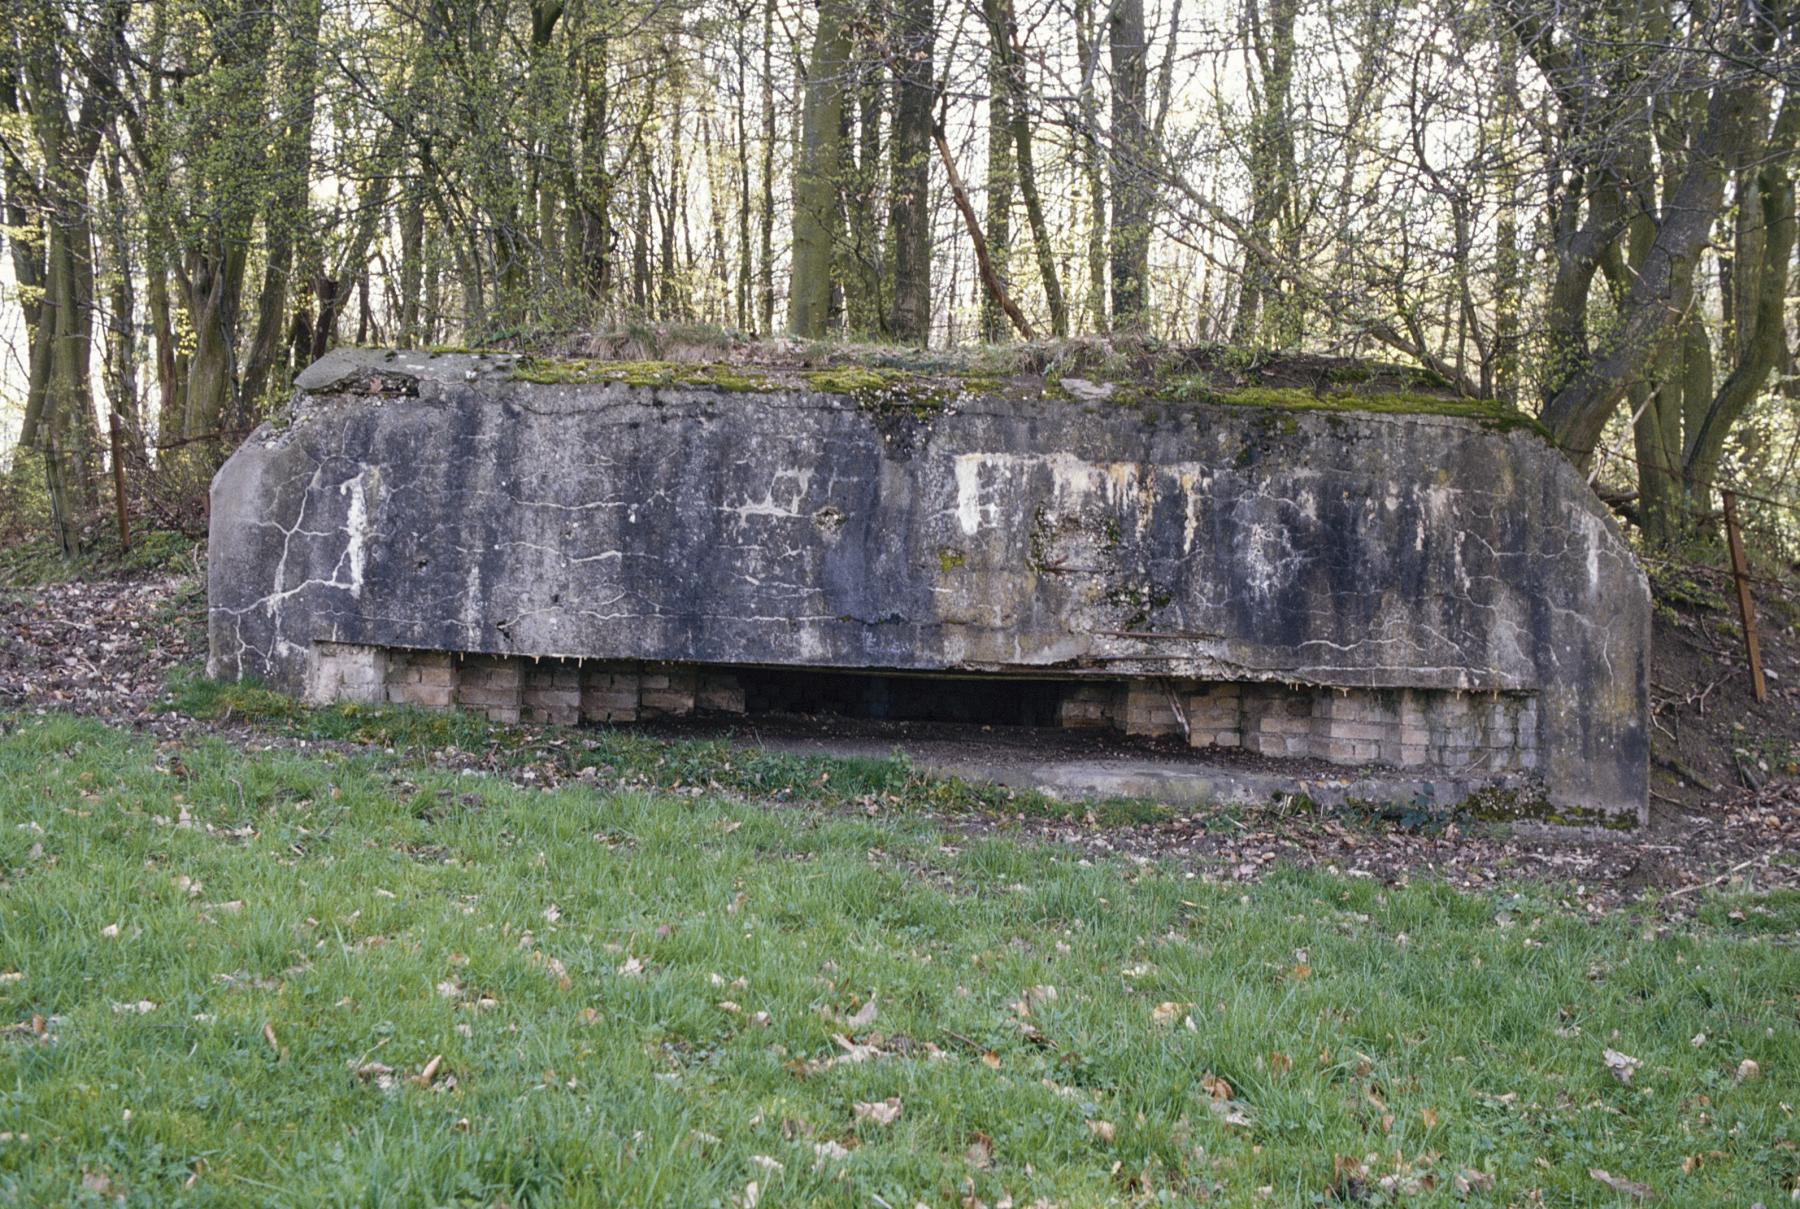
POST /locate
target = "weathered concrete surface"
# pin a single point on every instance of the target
(433, 503)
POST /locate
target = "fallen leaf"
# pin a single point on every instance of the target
(633, 968)
(429, 1072)
(1622, 1066)
(1747, 1070)
(1232, 1112)
(1469, 1180)
(980, 1154)
(853, 1052)
(1103, 1130)
(864, 1017)
(110, 931)
(826, 1153)
(1620, 1184)
(378, 1073)
(269, 1036)
(881, 1112)
(1167, 1011)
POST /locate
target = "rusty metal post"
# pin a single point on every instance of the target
(1740, 572)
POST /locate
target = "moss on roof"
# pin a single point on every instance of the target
(1337, 390)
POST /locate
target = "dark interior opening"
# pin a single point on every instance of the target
(990, 701)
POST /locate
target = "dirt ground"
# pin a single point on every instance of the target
(1726, 801)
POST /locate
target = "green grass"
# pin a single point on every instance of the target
(361, 911)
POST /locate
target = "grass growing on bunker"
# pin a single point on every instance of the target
(294, 978)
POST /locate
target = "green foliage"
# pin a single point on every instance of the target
(24, 501)
(224, 974)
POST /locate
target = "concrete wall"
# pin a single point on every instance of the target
(432, 504)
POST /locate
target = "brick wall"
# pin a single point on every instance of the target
(342, 671)
(551, 693)
(423, 678)
(1452, 732)
(493, 685)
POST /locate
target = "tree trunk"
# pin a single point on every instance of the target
(1130, 233)
(1763, 346)
(817, 223)
(766, 200)
(861, 247)
(1013, 79)
(285, 217)
(909, 151)
(412, 262)
(1271, 160)
(745, 266)
(121, 323)
(995, 325)
(1087, 49)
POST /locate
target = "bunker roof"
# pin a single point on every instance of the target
(1088, 372)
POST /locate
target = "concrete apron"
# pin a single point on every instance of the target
(1181, 783)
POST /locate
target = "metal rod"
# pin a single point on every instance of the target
(1740, 572)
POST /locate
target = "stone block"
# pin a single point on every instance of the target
(1347, 751)
(1148, 709)
(1406, 755)
(341, 671)
(492, 684)
(424, 696)
(667, 691)
(1359, 731)
(719, 694)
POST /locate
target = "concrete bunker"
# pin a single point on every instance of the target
(1435, 593)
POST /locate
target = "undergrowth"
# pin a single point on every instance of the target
(37, 560)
